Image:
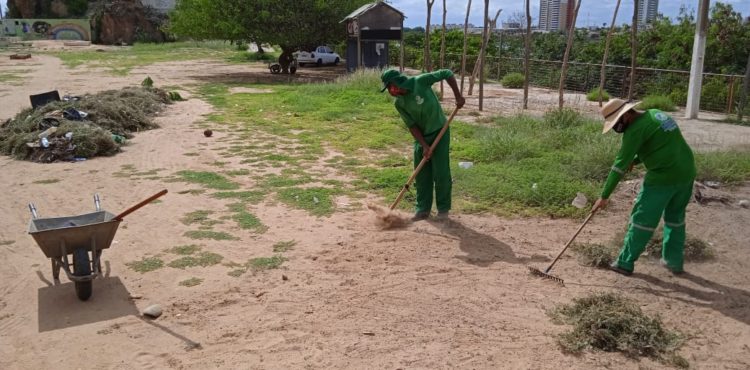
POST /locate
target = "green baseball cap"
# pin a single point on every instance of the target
(392, 76)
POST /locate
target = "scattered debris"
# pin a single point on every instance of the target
(580, 201)
(208, 133)
(465, 165)
(704, 193)
(712, 184)
(744, 203)
(284, 277)
(20, 56)
(153, 311)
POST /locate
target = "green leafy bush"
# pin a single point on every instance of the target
(513, 81)
(660, 102)
(593, 95)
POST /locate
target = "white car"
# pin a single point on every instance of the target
(321, 55)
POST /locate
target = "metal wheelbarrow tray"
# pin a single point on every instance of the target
(84, 237)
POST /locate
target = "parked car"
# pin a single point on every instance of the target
(321, 55)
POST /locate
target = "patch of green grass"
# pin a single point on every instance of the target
(185, 250)
(282, 247)
(6, 242)
(122, 61)
(191, 282)
(593, 95)
(47, 181)
(192, 191)
(197, 217)
(660, 102)
(266, 263)
(203, 259)
(612, 323)
(208, 234)
(730, 167)
(209, 180)
(235, 173)
(317, 201)
(281, 181)
(252, 197)
(236, 272)
(11, 77)
(146, 264)
(246, 220)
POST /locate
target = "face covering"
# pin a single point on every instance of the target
(620, 126)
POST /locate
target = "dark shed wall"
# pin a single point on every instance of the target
(380, 18)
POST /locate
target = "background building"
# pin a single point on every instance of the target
(647, 11)
(555, 15)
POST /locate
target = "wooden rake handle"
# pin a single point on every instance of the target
(546, 271)
(423, 161)
(139, 205)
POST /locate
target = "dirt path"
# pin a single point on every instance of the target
(433, 295)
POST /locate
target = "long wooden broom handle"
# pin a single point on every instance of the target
(139, 205)
(424, 160)
(570, 241)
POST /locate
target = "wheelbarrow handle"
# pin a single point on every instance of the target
(139, 205)
(34, 215)
(97, 202)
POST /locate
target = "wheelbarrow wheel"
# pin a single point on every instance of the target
(82, 267)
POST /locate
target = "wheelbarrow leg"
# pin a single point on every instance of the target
(55, 271)
(96, 267)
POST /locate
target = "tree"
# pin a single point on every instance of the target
(427, 55)
(571, 36)
(603, 75)
(745, 91)
(489, 25)
(463, 55)
(526, 52)
(291, 24)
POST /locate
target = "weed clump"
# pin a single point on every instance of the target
(612, 323)
(513, 81)
(659, 102)
(593, 95)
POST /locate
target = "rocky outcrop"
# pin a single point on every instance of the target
(124, 22)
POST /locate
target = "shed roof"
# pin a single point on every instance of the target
(366, 8)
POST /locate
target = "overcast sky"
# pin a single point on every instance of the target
(593, 12)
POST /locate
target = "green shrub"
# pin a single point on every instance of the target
(593, 95)
(660, 102)
(729, 167)
(513, 80)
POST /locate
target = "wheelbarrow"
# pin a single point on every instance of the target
(84, 237)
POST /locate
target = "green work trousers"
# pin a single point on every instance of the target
(653, 202)
(436, 171)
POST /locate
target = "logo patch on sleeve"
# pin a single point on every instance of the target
(667, 123)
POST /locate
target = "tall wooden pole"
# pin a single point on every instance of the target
(571, 37)
(633, 50)
(696, 64)
(442, 48)
(603, 75)
(745, 91)
(463, 54)
(427, 55)
(526, 55)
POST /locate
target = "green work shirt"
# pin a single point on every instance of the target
(658, 143)
(420, 106)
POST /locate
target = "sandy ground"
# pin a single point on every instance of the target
(432, 295)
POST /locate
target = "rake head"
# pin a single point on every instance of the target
(540, 273)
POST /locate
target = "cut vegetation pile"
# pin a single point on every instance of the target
(110, 117)
(610, 322)
(602, 254)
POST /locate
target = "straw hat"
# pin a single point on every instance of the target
(613, 111)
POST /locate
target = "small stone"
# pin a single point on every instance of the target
(284, 277)
(135, 296)
(153, 311)
(713, 184)
(744, 203)
(208, 133)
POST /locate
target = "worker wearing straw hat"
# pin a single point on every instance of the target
(420, 110)
(652, 138)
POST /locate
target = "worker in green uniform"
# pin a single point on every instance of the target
(652, 138)
(420, 109)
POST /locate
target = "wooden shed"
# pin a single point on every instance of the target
(369, 29)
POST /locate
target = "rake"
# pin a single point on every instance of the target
(545, 274)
